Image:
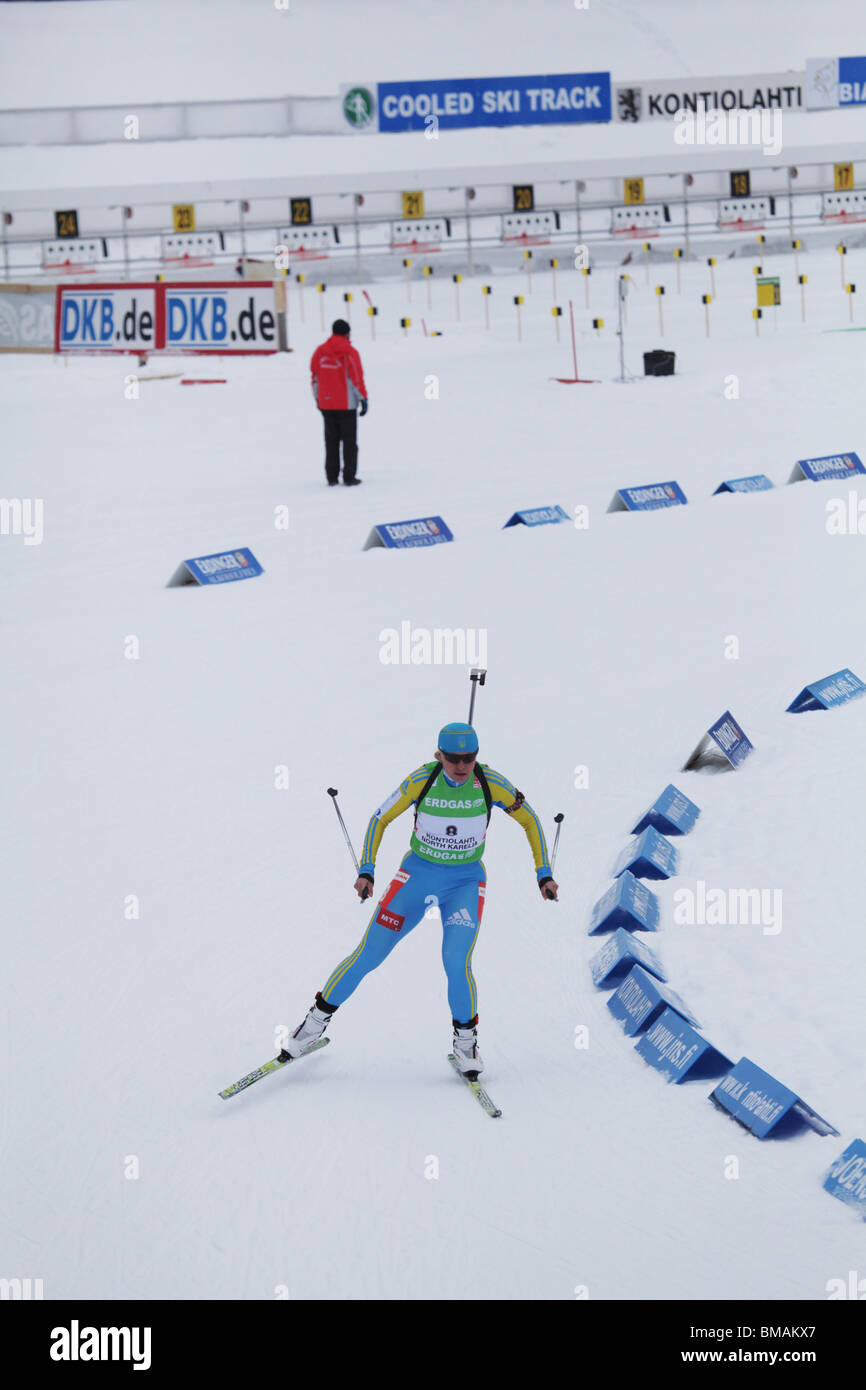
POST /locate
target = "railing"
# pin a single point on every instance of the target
(462, 226)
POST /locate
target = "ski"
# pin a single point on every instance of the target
(477, 1089)
(275, 1064)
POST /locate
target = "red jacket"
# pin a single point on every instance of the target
(337, 375)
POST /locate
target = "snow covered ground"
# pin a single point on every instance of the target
(169, 909)
(606, 648)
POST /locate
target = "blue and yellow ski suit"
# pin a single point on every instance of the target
(443, 869)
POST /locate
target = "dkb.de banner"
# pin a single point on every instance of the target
(200, 317)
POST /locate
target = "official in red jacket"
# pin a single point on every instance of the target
(338, 389)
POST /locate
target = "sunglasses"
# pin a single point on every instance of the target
(459, 757)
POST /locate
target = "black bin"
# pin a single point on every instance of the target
(659, 363)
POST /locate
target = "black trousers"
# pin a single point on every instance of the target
(340, 425)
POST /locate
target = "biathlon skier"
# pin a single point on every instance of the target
(453, 797)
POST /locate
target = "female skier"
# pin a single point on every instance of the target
(452, 797)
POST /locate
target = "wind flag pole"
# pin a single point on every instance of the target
(574, 380)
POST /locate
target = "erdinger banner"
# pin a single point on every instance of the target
(757, 482)
(648, 498)
(406, 535)
(225, 318)
(538, 516)
(221, 568)
(817, 470)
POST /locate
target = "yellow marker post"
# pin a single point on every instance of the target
(711, 262)
(321, 292)
(527, 257)
(660, 289)
(706, 300)
(756, 315)
(405, 324)
(300, 278)
(598, 325)
(428, 272)
(557, 314)
(407, 265)
(850, 291)
(678, 255)
(373, 311)
(486, 292)
(841, 248)
(457, 279)
(553, 264)
(803, 279)
(795, 245)
(586, 272)
(347, 300)
(646, 251)
(518, 300)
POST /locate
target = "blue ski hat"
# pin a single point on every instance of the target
(458, 738)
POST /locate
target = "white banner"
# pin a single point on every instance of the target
(648, 100)
(26, 318)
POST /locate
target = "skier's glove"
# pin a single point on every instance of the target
(364, 886)
(549, 889)
(364, 405)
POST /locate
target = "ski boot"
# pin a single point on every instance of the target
(312, 1028)
(465, 1048)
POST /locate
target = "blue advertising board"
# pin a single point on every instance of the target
(619, 953)
(640, 1000)
(462, 102)
(405, 535)
(649, 856)
(847, 1177)
(729, 737)
(538, 516)
(852, 81)
(675, 1049)
(828, 466)
(757, 482)
(671, 813)
(825, 694)
(726, 736)
(648, 498)
(760, 1102)
(222, 568)
(627, 903)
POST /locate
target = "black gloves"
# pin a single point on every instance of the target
(364, 406)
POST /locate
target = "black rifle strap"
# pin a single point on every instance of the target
(482, 782)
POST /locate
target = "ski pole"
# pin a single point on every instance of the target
(477, 676)
(558, 819)
(332, 792)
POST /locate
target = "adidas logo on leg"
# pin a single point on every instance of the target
(461, 918)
